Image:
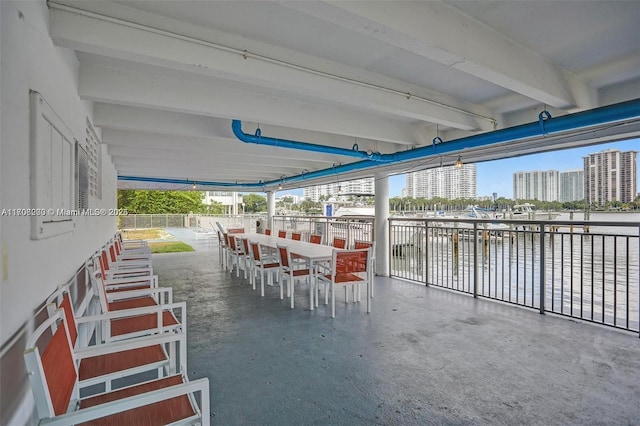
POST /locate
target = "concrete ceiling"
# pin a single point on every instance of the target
(167, 78)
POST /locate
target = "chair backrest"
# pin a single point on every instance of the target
(282, 234)
(232, 243)
(267, 232)
(297, 236)
(349, 262)
(53, 376)
(361, 244)
(221, 239)
(339, 242)
(315, 238)
(284, 256)
(245, 244)
(61, 299)
(255, 251)
(236, 231)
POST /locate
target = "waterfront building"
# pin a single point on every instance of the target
(571, 185)
(231, 201)
(611, 175)
(447, 182)
(536, 185)
(356, 186)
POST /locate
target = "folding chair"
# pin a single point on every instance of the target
(348, 268)
(261, 264)
(288, 271)
(53, 376)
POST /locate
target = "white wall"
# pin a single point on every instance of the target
(32, 269)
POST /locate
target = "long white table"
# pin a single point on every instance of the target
(312, 253)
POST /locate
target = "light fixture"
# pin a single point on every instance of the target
(282, 178)
(193, 186)
(459, 163)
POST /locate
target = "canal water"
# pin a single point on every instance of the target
(591, 273)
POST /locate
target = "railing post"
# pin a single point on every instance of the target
(426, 253)
(475, 260)
(543, 260)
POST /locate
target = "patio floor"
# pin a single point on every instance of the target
(423, 356)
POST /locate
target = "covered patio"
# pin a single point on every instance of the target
(423, 356)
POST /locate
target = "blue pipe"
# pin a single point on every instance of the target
(236, 126)
(598, 116)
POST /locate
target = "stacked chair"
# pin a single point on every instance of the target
(121, 359)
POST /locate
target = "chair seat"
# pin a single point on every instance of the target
(344, 277)
(140, 323)
(135, 287)
(138, 302)
(120, 361)
(299, 272)
(158, 413)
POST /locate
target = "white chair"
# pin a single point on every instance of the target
(349, 268)
(260, 264)
(290, 272)
(102, 363)
(53, 376)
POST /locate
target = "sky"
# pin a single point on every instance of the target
(497, 176)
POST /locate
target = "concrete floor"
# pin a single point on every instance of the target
(423, 356)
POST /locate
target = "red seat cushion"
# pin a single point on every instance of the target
(158, 413)
(110, 363)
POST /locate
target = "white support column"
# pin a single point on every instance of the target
(271, 208)
(234, 202)
(382, 224)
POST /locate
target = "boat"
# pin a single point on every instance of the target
(528, 211)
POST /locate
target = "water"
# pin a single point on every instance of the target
(593, 276)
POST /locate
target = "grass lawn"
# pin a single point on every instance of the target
(143, 234)
(170, 247)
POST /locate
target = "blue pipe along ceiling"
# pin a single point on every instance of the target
(546, 125)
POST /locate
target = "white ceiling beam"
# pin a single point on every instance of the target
(121, 117)
(94, 33)
(441, 33)
(139, 88)
(218, 147)
(166, 166)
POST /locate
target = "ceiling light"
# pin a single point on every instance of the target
(459, 163)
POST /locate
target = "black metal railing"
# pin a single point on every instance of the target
(587, 270)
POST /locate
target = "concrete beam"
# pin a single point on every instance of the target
(138, 88)
(94, 33)
(442, 33)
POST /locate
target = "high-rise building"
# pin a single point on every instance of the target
(356, 186)
(571, 185)
(611, 175)
(536, 185)
(447, 182)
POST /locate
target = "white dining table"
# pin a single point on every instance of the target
(311, 253)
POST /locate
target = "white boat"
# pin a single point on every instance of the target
(527, 211)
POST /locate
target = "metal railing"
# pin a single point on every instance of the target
(146, 221)
(586, 270)
(350, 227)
